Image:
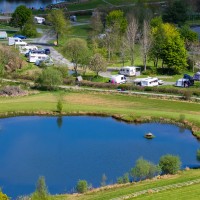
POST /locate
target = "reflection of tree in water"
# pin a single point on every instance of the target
(198, 154)
(181, 129)
(59, 121)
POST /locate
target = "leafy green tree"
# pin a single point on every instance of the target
(144, 169)
(176, 12)
(76, 49)
(3, 196)
(82, 186)
(29, 28)
(20, 16)
(59, 106)
(41, 192)
(60, 25)
(50, 78)
(98, 63)
(116, 18)
(123, 179)
(188, 35)
(170, 164)
(168, 46)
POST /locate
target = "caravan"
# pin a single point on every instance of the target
(39, 20)
(130, 71)
(36, 56)
(27, 48)
(118, 79)
(149, 81)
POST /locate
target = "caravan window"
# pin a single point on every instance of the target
(127, 70)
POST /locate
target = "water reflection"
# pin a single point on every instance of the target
(59, 122)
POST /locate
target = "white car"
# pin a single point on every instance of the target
(160, 82)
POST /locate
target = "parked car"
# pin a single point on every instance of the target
(19, 36)
(160, 82)
(47, 51)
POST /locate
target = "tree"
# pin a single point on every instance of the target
(20, 16)
(144, 169)
(41, 191)
(76, 48)
(96, 23)
(50, 78)
(146, 42)
(131, 33)
(59, 106)
(82, 186)
(60, 25)
(29, 28)
(116, 18)
(170, 164)
(176, 12)
(97, 63)
(123, 179)
(168, 46)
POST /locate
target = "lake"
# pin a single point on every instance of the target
(67, 149)
(8, 6)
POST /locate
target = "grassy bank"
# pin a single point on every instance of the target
(124, 106)
(118, 191)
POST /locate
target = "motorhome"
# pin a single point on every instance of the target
(130, 71)
(16, 41)
(34, 57)
(118, 79)
(3, 35)
(39, 20)
(149, 81)
(27, 48)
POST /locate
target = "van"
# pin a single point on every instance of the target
(17, 41)
(34, 57)
(39, 20)
(118, 79)
(130, 71)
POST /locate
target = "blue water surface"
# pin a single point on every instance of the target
(67, 149)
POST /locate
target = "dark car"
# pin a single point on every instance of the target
(20, 36)
(40, 51)
(47, 51)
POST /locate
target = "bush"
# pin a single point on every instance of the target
(82, 186)
(169, 164)
(50, 78)
(59, 106)
(63, 70)
(123, 179)
(187, 94)
(3, 196)
(144, 169)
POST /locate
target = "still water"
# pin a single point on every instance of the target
(7, 6)
(67, 149)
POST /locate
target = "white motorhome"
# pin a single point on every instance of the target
(3, 35)
(39, 20)
(130, 71)
(118, 79)
(149, 81)
(15, 40)
(27, 48)
(34, 57)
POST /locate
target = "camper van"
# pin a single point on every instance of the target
(3, 35)
(27, 48)
(149, 81)
(118, 79)
(34, 57)
(130, 71)
(39, 20)
(16, 41)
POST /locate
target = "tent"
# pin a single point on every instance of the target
(196, 76)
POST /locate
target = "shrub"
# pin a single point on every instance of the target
(59, 106)
(170, 164)
(63, 70)
(50, 78)
(123, 179)
(187, 94)
(82, 186)
(144, 169)
(3, 196)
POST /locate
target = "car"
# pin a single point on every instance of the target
(46, 62)
(20, 36)
(160, 82)
(47, 51)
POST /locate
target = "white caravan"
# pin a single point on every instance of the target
(118, 79)
(16, 41)
(149, 81)
(39, 20)
(33, 57)
(27, 48)
(130, 71)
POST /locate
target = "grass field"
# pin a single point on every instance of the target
(187, 191)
